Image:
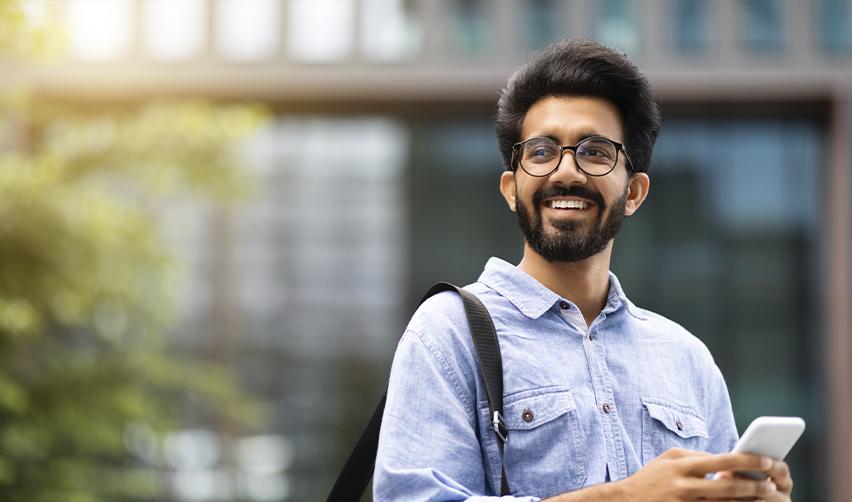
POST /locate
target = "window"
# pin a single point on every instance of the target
(247, 30)
(469, 23)
(616, 24)
(543, 23)
(173, 30)
(390, 31)
(320, 31)
(761, 25)
(834, 25)
(690, 26)
(99, 31)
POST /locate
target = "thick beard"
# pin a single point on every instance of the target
(570, 244)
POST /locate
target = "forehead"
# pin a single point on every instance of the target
(572, 118)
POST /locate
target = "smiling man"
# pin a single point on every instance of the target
(602, 400)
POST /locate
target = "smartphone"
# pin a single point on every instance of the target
(771, 437)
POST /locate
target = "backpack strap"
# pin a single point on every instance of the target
(358, 469)
(490, 363)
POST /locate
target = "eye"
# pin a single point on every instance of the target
(597, 150)
(540, 150)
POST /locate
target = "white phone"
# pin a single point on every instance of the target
(771, 437)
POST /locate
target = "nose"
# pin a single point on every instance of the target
(568, 171)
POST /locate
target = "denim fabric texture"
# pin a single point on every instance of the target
(583, 404)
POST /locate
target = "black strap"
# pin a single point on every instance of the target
(490, 364)
(358, 469)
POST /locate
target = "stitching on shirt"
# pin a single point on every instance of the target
(455, 381)
(531, 307)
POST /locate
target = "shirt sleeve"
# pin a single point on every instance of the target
(720, 415)
(428, 444)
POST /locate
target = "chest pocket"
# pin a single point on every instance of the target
(667, 425)
(544, 454)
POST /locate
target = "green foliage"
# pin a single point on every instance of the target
(85, 282)
(85, 288)
(22, 38)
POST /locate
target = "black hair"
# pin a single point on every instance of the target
(582, 68)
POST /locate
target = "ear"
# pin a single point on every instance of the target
(637, 190)
(507, 188)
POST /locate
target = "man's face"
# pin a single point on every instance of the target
(572, 239)
(568, 234)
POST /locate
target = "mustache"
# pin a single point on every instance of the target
(569, 191)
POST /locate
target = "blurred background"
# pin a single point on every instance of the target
(216, 217)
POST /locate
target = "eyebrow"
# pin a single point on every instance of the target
(582, 134)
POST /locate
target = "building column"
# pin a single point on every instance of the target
(837, 278)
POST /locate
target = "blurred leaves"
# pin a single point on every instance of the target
(86, 282)
(85, 288)
(28, 30)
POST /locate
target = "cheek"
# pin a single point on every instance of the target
(524, 191)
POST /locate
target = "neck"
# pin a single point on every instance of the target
(585, 283)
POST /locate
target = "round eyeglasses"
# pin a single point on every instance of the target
(595, 155)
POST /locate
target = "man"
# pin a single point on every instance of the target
(602, 400)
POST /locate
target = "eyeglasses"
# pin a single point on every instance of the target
(595, 155)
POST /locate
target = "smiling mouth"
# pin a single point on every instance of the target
(569, 204)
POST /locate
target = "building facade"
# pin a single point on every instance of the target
(379, 176)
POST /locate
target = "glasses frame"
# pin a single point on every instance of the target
(516, 160)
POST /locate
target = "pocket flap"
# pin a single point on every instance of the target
(532, 409)
(683, 421)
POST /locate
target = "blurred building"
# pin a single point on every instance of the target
(379, 176)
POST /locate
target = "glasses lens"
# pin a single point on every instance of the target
(596, 155)
(540, 156)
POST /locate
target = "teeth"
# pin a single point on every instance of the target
(568, 204)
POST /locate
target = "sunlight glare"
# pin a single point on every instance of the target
(98, 30)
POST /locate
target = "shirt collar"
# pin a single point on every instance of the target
(533, 299)
(617, 298)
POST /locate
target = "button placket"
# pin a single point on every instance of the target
(616, 459)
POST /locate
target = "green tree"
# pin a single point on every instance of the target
(86, 281)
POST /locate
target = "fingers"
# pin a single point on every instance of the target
(674, 453)
(730, 488)
(779, 473)
(701, 466)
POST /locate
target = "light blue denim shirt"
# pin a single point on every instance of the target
(583, 405)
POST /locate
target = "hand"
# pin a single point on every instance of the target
(779, 474)
(679, 475)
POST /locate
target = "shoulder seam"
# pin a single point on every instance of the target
(453, 378)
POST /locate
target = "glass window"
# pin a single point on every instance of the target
(99, 31)
(247, 30)
(326, 228)
(320, 31)
(762, 25)
(390, 30)
(173, 30)
(690, 26)
(617, 24)
(834, 19)
(315, 273)
(457, 159)
(543, 22)
(469, 26)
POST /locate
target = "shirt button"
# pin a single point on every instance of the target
(564, 305)
(606, 407)
(679, 425)
(527, 415)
